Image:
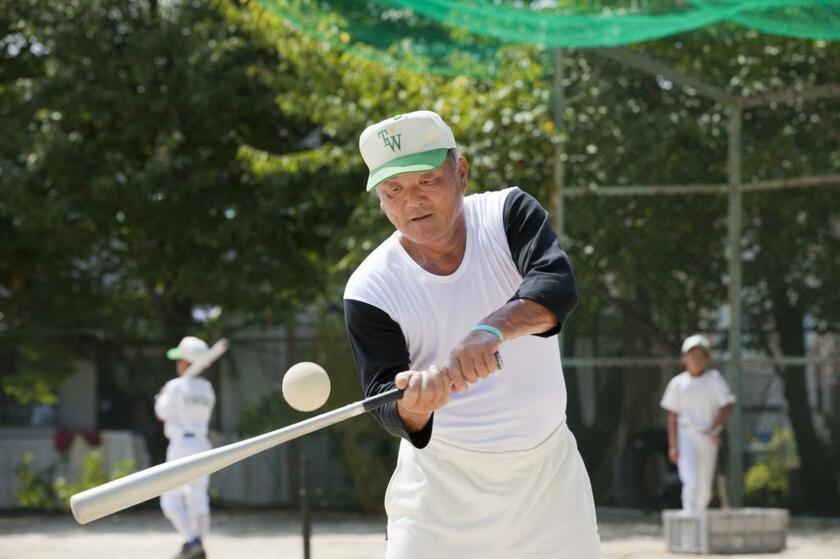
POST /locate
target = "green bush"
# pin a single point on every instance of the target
(93, 474)
(44, 490)
(365, 451)
(765, 485)
(766, 481)
(369, 452)
(36, 490)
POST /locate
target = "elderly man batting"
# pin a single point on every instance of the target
(461, 307)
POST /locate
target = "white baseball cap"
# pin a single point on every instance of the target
(697, 340)
(407, 143)
(189, 349)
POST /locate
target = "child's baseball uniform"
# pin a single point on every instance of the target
(697, 401)
(185, 405)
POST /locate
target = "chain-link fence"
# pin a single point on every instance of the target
(748, 257)
(750, 262)
(614, 412)
(106, 393)
(613, 409)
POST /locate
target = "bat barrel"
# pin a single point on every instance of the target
(212, 354)
(135, 488)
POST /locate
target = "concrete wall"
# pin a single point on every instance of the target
(116, 446)
(77, 398)
(14, 443)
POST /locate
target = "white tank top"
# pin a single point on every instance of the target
(515, 408)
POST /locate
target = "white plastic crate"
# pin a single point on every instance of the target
(726, 531)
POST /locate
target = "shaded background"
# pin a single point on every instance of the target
(190, 167)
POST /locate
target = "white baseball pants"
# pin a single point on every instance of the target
(696, 465)
(444, 502)
(188, 506)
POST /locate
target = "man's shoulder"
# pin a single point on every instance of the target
(490, 197)
(486, 212)
(377, 268)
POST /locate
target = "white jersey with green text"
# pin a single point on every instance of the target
(185, 406)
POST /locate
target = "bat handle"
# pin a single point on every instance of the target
(380, 400)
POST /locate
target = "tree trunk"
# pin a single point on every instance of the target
(141, 407)
(597, 442)
(818, 477)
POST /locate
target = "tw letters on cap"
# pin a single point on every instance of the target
(392, 142)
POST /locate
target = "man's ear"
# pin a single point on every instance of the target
(463, 173)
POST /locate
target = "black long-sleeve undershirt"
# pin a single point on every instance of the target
(377, 341)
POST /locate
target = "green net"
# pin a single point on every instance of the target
(475, 37)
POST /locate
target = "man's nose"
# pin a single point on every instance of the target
(415, 196)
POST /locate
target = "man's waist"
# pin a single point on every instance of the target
(500, 450)
(499, 435)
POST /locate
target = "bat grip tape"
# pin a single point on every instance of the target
(380, 400)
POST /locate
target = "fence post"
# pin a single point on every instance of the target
(558, 104)
(734, 225)
(305, 504)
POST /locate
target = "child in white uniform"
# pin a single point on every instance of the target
(698, 402)
(185, 405)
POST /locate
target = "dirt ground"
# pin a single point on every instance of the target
(271, 534)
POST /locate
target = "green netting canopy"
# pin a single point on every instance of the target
(469, 36)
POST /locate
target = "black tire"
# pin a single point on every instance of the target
(645, 478)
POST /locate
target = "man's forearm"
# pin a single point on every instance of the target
(521, 317)
(413, 422)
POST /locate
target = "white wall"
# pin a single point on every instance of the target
(14, 443)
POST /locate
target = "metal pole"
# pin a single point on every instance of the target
(736, 440)
(305, 505)
(558, 104)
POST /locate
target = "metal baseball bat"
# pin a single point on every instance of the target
(197, 366)
(135, 488)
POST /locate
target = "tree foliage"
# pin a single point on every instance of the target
(162, 158)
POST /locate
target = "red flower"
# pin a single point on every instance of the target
(62, 439)
(93, 438)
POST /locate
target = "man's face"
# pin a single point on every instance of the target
(181, 365)
(425, 207)
(696, 360)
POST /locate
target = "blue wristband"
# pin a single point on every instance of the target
(487, 328)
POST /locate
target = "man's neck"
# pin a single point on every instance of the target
(441, 258)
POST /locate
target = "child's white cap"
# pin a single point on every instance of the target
(190, 349)
(697, 340)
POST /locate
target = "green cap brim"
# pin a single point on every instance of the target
(173, 354)
(414, 163)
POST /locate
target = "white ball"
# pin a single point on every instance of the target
(306, 386)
